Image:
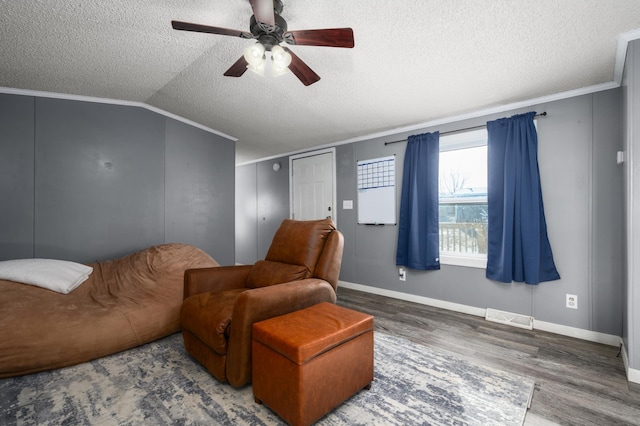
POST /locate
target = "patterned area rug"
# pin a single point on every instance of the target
(159, 384)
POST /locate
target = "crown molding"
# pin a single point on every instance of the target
(621, 53)
(108, 101)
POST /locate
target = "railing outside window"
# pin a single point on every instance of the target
(463, 238)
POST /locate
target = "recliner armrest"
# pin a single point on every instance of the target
(218, 278)
(263, 303)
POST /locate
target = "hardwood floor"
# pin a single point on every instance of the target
(577, 382)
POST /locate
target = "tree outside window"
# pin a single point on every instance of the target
(463, 194)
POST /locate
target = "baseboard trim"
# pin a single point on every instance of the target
(633, 375)
(457, 307)
(578, 333)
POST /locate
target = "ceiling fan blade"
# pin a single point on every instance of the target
(301, 70)
(331, 37)
(263, 11)
(238, 68)
(187, 26)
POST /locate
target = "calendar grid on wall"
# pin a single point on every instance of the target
(376, 173)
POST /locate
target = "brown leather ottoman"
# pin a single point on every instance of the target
(308, 362)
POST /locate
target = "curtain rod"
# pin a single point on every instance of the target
(542, 114)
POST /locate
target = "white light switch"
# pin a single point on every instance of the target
(347, 204)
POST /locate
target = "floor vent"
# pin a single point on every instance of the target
(509, 318)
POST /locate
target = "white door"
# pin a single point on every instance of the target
(312, 186)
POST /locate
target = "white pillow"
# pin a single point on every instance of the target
(57, 275)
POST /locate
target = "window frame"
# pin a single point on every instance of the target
(465, 139)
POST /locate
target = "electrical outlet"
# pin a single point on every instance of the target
(572, 301)
(402, 274)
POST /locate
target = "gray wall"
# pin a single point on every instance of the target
(262, 196)
(99, 179)
(88, 181)
(246, 215)
(200, 190)
(16, 176)
(580, 181)
(631, 262)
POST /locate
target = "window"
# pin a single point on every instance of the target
(462, 191)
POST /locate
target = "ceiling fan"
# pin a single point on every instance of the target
(270, 30)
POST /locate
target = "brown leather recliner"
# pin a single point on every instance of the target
(221, 304)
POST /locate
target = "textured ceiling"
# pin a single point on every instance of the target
(414, 61)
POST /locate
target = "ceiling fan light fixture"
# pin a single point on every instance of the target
(254, 55)
(280, 59)
(258, 69)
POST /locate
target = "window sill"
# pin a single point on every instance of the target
(466, 261)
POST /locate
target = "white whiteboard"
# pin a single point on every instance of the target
(377, 191)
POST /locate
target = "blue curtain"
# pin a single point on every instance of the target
(418, 238)
(518, 248)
